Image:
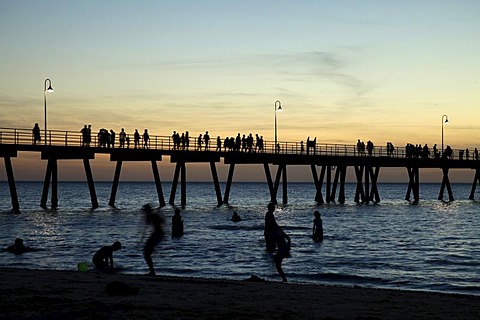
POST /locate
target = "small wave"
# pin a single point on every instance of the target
(343, 278)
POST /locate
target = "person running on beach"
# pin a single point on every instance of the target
(155, 237)
(270, 228)
(283, 243)
(103, 258)
(317, 234)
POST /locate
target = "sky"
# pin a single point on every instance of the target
(343, 70)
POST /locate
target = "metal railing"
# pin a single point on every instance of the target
(158, 142)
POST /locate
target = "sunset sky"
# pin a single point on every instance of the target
(343, 70)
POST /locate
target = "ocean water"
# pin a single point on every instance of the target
(431, 246)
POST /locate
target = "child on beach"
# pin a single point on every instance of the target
(103, 258)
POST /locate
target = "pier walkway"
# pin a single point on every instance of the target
(328, 163)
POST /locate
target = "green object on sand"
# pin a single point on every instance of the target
(82, 267)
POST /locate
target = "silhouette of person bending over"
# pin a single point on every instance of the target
(103, 258)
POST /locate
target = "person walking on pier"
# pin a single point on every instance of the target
(206, 138)
(89, 135)
(199, 142)
(317, 234)
(146, 139)
(154, 239)
(112, 139)
(84, 133)
(121, 138)
(136, 139)
(271, 227)
(219, 144)
(36, 134)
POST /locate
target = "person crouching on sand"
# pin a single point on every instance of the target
(103, 258)
(155, 237)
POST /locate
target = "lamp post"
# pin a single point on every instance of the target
(45, 90)
(279, 108)
(446, 121)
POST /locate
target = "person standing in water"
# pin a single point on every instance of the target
(177, 224)
(155, 237)
(270, 228)
(317, 234)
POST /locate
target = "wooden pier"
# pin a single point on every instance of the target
(328, 163)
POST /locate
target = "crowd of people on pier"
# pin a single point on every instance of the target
(249, 144)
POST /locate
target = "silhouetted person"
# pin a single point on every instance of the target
(155, 237)
(236, 217)
(112, 138)
(271, 227)
(370, 147)
(187, 140)
(435, 151)
(146, 138)
(317, 234)
(448, 152)
(89, 135)
(36, 134)
(219, 144)
(84, 133)
(121, 138)
(18, 247)
(283, 243)
(136, 139)
(206, 138)
(103, 258)
(177, 224)
(199, 142)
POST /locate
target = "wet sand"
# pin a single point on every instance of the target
(44, 294)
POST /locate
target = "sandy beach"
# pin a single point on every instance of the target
(44, 294)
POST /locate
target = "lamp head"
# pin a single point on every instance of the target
(50, 89)
(279, 108)
(446, 120)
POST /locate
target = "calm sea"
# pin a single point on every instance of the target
(430, 246)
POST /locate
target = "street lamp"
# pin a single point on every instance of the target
(45, 90)
(279, 108)
(446, 121)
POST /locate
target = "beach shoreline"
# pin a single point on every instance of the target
(47, 294)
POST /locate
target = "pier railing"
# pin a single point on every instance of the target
(159, 142)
